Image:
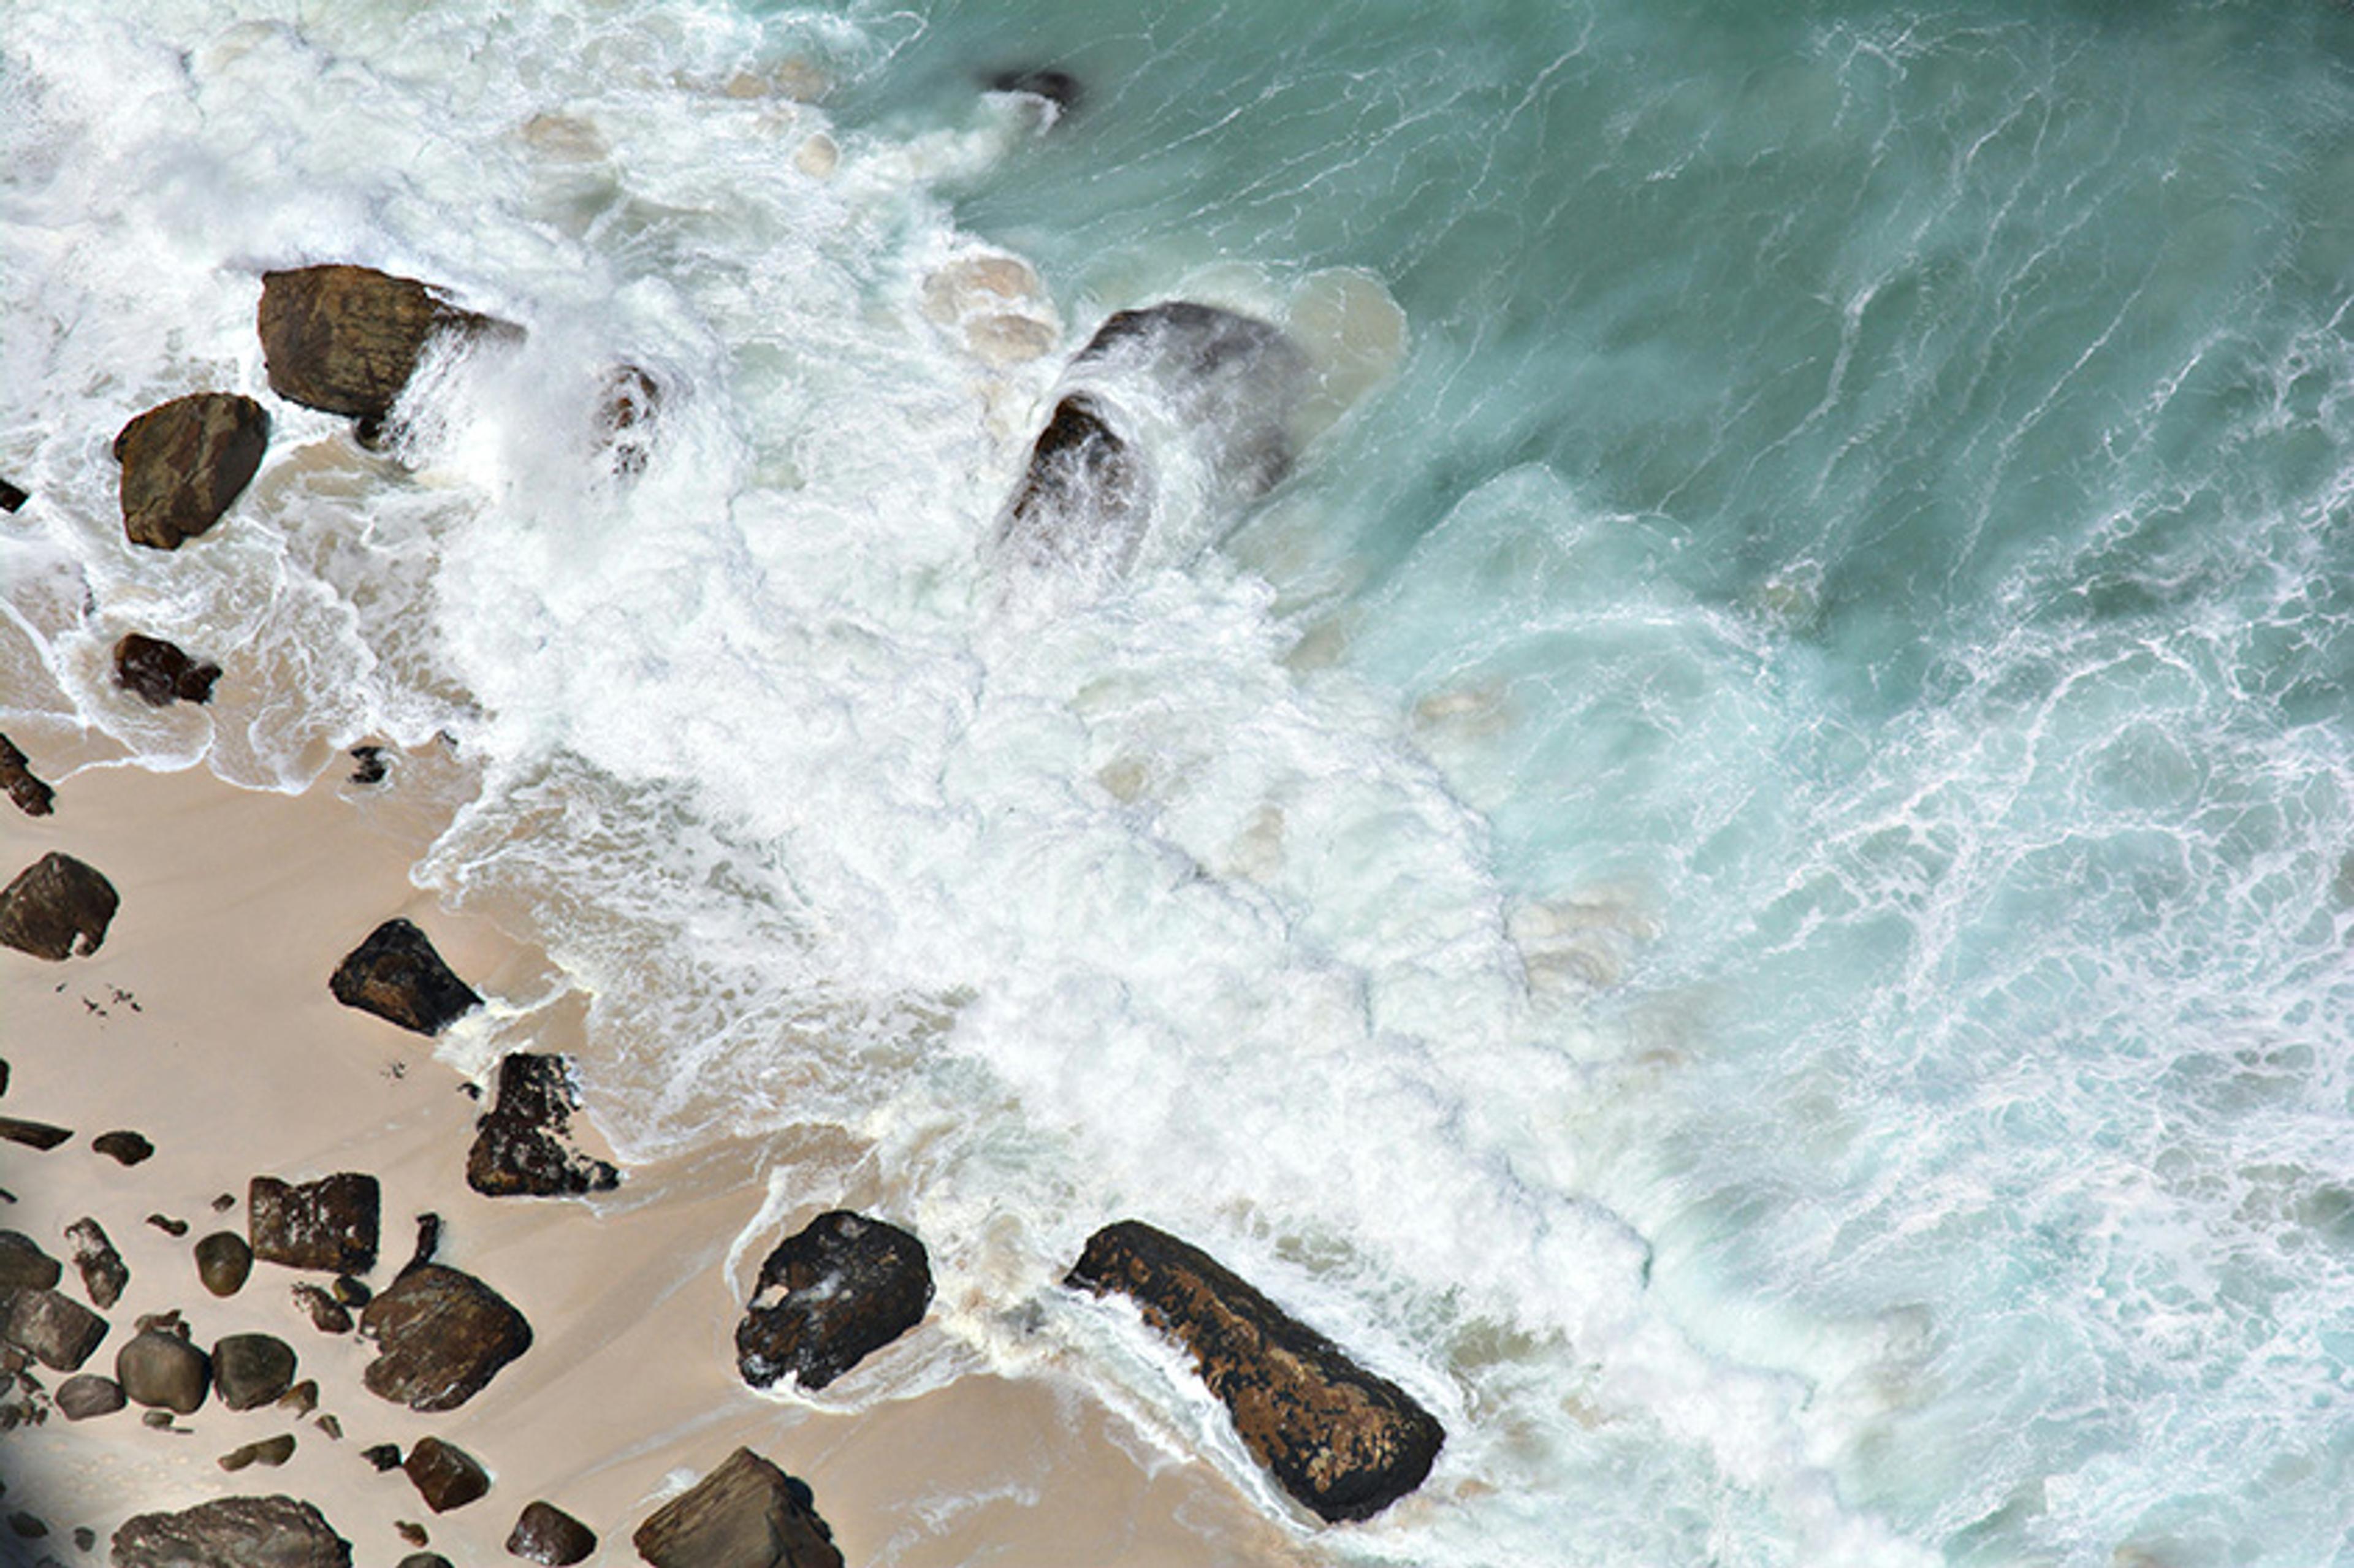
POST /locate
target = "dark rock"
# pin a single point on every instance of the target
(329, 1224)
(330, 1426)
(24, 1266)
(519, 1148)
(103, 1273)
(350, 1292)
(327, 1315)
(58, 1330)
(545, 1533)
(33, 797)
(446, 1477)
(86, 1394)
(396, 975)
(270, 1453)
(423, 1560)
(843, 1288)
(383, 1456)
(12, 498)
(302, 1399)
(223, 1262)
(124, 1148)
(429, 1241)
(33, 1134)
(56, 908)
(185, 462)
(411, 1531)
(369, 765)
(160, 1369)
(224, 1201)
(84, 1538)
(347, 339)
(161, 1420)
(626, 405)
(233, 1533)
(251, 1369)
(441, 1335)
(746, 1514)
(1059, 88)
(29, 1526)
(1344, 1443)
(161, 673)
(1081, 475)
(168, 1225)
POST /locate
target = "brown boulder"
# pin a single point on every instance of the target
(746, 1514)
(841, 1290)
(161, 1370)
(162, 672)
(347, 339)
(329, 1224)
(58, 1330)
(233, 1533)
(396, 975)
(58, 908)
(445, 1477)
(12, 496)
(250, 1370)
(33, 797)
(185, 462)
(441, 1335)
(519, 1148)
(33, 1134)
(545, 1533)
(1344, 1443)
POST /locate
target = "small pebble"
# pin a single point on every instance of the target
(383, 1456)
(330, 1426)
(224, 1202)
(85, 1537)
(158, 1419)
(125, 1148)
(351, 1292)
(271, 1452)
(168, 1225)
(302, 1399)
(411, 1532)
(224, 1262)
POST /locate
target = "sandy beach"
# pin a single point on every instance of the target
(206, 1025)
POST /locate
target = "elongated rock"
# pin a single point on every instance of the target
(232, 1532)
(328, 1224)
(441, 1335)
(185, 462)
(58, 1330)
(58, 908)
(829, 1295)
(746, 1514)
(396, 975)
(1344, 1443)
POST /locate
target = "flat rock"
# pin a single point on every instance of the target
(224, 1261)
(347, 339)
(520, 1149)
(59, 1331)
(161, 673)
(58, 908)
(441, 1335)
(33, 797)
(1344, 1443)
(24, 1266)
(545, 1533)
(328, 1224)
(842, 1288)
(232, 1532)
(185, 462)
(445, 1477)
(746, 1514)
(32, 1134)
(161, 1370)
(124, 1146)
(251, 1369)
(269, 1453)
(87, 1394)
(396, 975)
(103, 1273)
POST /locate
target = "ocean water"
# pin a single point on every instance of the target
(1743, 880)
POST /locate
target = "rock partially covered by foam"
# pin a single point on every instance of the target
(1344, 1443)
(56, 908)
(831, 1295)
(396, 975)
(347, 339)
(185, 462)
(232, 1532)
(162, 672)
(441, 1335)
(520, 1149)
(746, 1514)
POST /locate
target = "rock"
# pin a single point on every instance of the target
(124, 1148)
(87, 1394)
(251, 1369)
(270, 1453)
(224, 1201)
(519, 1148)
(29, 1526)
(161, 673)
(383, 1456)
(160, 1369)
(746, 1514)
(545, 1533)
(56, 908)
(329, 1224)
(185, 462)
(12, 497)
(445, 1477)
(24, 1266)
(350, 1292)
(33, 797)
(441, 1335)
(423, 1560)
(302, 1399)
(1344, 1443)
(84, 1538)
(368, 766)
(327, 1315)
(103, 1273)
(347, 339)
(1059, 88)
(843, 1288)
(411, 1531)
(223, 1262)
(627, 404)
(396, 975)
(168, 1225)
(33, 1134)
(58, 1330)
(232, 1532)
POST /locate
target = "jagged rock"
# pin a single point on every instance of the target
(33, 1134)
(330, 1426)
(168, 1225)
(329, 1224)
(545, 1533)
(233, 1533)
(269, 1453)
(58, 1330)
(251, 1369)
(302, 1399)
(223, 1262)
(1059, 88)
(33, 797)
(368, 766)
(13, 497)
(519, 1148)
(161, 1370)
(185, 462)
(441, 1335)
(347, 339)
(124, 1146)
(56, 908)
(396, 975)
(24, 1266)
(327, 1315)
(445, 1477)
(103, 1273)
(87, 1394)
(746, 1514)
(1344, 1443)
(161, 673)
(383, 1456)
(843, 1288)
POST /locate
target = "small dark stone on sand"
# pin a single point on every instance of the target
(302, 1399)
(445, 1476)
(429, 1241)
(84, 1538)
(34, 797)
(545, 1533)
(103, 1273)
(87, 1394)
(24, 1266)
(32, 1527)
(124, 1148)
(162, 672)
(368, 766)
(158, 1419)
(270, 1452)
(12, 498)
(383, 1456)
(350, 1291)
(224, 1262)
(223, 1203)
(330, 1426)
(56, 908)
(33, 1134)
(251, 1369)
(327, 1315)
(411, 1532)
(521, 1149)
(423, 1560)
(329, 1224)
(168, 1225)
(396, 975)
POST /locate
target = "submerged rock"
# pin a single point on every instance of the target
(520, 1148)
(33, 797)
(445, 1476)
(841, 1290)
(56, 908)
(32, 1134)
(104, 1274)
(328, 1224)
(441, 1335)
(124, 1146)
(1344, 1443)
(396, 975)
(1059, 88)
(627, 404)
(545, 1533)
(232, 1532)
(59, 1331)
(347, 339)
(185, 462)
(746, 1514)
(161, 673)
